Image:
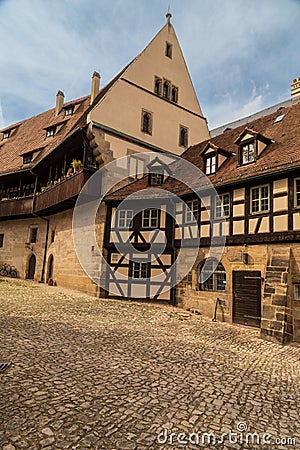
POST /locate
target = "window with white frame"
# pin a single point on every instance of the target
(69, 110)
(6, 134)
(247, 153)
(297, 291)
(150, 218)
(140, 270)
(50, 132)
(210, 164)
(125, 217)
(297, 192)
(222, 205)
(214, 276)
(192, 211)
(260, 199)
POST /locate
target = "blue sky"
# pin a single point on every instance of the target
(242, 55)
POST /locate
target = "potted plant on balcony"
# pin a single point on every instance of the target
(76, 164)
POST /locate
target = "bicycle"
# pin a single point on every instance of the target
(8, 271)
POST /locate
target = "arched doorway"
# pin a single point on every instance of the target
(50, 268)
(31, 267)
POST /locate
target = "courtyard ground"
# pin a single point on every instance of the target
(108, 374)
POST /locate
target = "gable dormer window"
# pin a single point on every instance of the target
(210, 164)
(251, 145)
(6, 134)
(156, 178)
(50, 132)
(27, 158)
(69, 110)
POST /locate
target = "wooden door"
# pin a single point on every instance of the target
(247, 297)
(31, 267)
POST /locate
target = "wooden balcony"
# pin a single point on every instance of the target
(62, 195)
(16, 207)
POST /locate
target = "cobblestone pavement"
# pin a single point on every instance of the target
(108, 374)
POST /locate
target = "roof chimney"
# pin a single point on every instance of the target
(295, 87)
(95, 86)
(59, 102)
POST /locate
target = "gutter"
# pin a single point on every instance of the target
(42, 280)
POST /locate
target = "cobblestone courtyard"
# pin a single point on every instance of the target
(90, 373)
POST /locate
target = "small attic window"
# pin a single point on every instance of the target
(156, 178)
(6, 134)
(69, 110)
(279, 118)
(168, 50)
(50, 132)
(27, 158)
(210, 164)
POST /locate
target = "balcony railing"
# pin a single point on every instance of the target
(63, 194)
(16, 207)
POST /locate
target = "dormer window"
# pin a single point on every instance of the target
(50, 132)
(157, 170)
(251, 145)
(156, 177)
(168, 50)
(69, 110)
(210, 164)
(27, 158)
(247, 153)
(6, 134)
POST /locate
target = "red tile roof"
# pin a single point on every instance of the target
(30, 135)
(282, 153)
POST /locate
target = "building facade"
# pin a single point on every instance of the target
(256, 207)
(46, 160)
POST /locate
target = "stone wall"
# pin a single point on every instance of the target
(280, 268)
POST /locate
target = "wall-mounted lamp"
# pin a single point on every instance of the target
(245, 258)
(28, 246)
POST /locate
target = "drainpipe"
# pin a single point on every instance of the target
(47, 227)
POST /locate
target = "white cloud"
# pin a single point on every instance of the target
(228, 46)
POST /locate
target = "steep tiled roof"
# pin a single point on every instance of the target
(30, 135)
(282, 153)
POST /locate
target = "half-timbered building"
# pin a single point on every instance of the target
(255, 169)
(150, 105)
